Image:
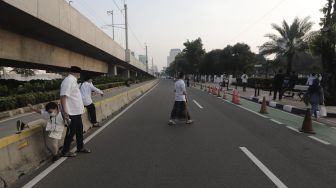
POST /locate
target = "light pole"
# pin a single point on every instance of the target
(146, 59)
(111, 12)
(126, 26)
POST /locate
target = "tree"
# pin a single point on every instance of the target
(193, 54)
(292, 39)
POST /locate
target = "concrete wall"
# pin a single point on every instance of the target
(22, 153)
(20, 48)
(60, 14)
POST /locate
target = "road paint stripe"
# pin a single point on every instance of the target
(263, 168)
(201, 107)
(293, 129)
(330, 121)
(246, 109)
(319, 140)
(275, 121)
(52, 167)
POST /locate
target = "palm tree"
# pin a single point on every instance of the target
(292, 39)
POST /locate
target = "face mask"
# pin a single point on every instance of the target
(53, 114)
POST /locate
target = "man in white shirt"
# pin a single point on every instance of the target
(244, 78)
(311, 79)
(73, 108)
(180, 105)
(86, 89)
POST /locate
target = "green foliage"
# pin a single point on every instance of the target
(291, 40)
(194, 60)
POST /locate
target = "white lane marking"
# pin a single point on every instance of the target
(201, 107)
(263, 168)
(275, 121)
(18, 116)
(330, 121)
(319, 140)
(52, 167)
(246, 109)
(293, 129)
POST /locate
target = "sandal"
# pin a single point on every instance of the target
(84, 150)
(69, 154)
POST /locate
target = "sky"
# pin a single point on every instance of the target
(167, 24)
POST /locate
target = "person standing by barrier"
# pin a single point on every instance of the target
(86, 89)
(315, 95)
(180, 105)
(292, 80)
(311, 79)
(73, 108)
(277, 85)
(55, 126)
(244, 79)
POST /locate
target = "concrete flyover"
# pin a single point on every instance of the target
(53, 35)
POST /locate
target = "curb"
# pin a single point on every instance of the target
(287, 108)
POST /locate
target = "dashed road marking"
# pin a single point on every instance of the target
(319, 140)
(275, 121)
(201, 107)
(263, 168)
(293, 129)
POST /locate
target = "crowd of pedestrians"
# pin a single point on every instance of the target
(74, 98)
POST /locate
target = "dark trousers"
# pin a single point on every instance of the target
(244, 86)
(92, 113)
(277, 90)
(180, 110)
(75, 127)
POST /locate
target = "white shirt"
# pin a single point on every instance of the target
(310, 80)
(244, 78)
(179, 89)
(86, 89)
(74, 103)
(55, 125)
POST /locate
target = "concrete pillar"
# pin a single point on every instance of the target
(127, 74)
(112, 70)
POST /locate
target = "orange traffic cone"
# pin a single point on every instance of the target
(224, 95)
(307, 123)
(237, 98)
(234, 96)
(263, 108)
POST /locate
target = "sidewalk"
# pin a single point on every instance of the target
(8, 125)
(292, 105)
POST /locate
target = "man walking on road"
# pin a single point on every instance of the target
(277, 85)
(180, 105)
(73, 108)
(86, 89)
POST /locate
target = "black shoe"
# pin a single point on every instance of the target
(55, 158)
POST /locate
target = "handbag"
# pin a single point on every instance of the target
(323, 111)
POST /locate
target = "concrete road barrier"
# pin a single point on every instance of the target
(22, 153)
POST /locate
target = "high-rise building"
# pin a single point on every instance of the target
(172, 54)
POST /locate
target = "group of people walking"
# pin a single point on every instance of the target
(74, 98)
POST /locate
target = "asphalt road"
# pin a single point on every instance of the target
(225, 147)
(8, 126)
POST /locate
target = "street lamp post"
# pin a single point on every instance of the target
(111, 12)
